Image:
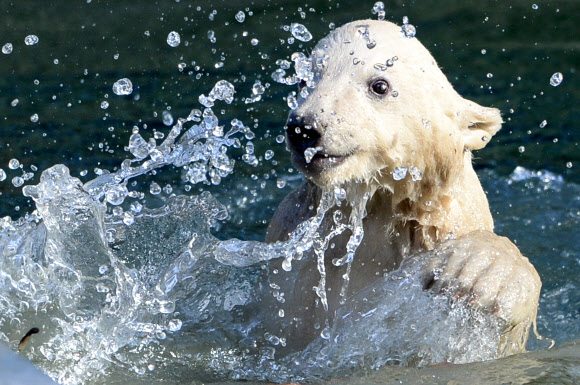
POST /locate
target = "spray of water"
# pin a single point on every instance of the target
(118, 288)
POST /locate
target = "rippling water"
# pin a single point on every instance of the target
(149, 315)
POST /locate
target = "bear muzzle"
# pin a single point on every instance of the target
(305, 139)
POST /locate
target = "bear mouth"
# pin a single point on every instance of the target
(319, 162)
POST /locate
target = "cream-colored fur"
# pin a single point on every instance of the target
(427, 125)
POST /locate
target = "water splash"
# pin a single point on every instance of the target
(130, 289)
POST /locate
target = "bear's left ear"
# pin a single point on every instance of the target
(479, 124)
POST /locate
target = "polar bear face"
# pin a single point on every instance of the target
(376, 104)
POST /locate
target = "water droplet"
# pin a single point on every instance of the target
(103, 269)
(123, 87)
(568, 165)
(269, 154)
(2, 175)
(379, 10)
(223, 90)
(535, 6)
(128, 218)
(7, 49)
(104, 105)
(281, 313)
(174, 325)
(543, 124)
(409, 30)
(489, 75)
(205, 101)
(14, 103)
(173, 39)
(240, 16)
(17, 181)
(300, 32)
(154, 188)
(211, 36)
(31, 40)
(325, 333)
(291, 100)
(416, 174)
(310, 152)
(13, 164)
(399, 173)
(167, 118)
(339, 194)
(280, 139)
(483, 51)
(380, 67)
(521, 149)
(254, 42)
(280, 183)
(55, 61)
(556, 79)
(34, 118)
(116, 195)
(138, 146)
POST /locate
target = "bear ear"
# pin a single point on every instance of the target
(479, 125)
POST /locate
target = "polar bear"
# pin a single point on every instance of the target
(375, 115)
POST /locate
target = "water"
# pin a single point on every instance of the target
(7, 49)
(132, 274)
(300, 32)
(556, 79)
(31, 40)
(123, 87)
(173, 39)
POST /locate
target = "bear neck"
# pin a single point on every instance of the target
(435, 210)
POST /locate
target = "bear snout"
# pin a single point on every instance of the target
(302, 133)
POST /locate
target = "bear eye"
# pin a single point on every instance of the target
(380, 86)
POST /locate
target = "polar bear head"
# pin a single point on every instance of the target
(373, 104)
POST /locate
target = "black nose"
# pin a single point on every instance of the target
(302, 133)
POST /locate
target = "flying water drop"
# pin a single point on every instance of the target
(123, 87)
(556, 79)
(300, 32)
(173, 39)
(31, 40)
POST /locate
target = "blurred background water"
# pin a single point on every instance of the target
(57, 103)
